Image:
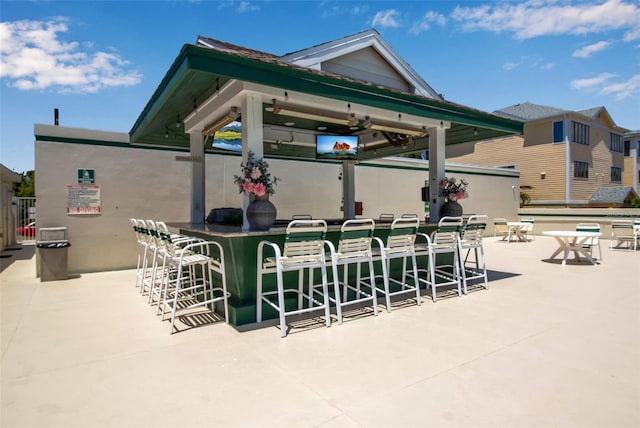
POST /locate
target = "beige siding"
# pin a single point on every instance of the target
(532, 161)
(369, 66)
(537, 154)
(629, 173)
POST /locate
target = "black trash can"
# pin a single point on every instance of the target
(53, 259)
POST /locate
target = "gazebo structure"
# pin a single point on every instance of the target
(357, 85)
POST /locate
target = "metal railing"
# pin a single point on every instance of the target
(25, 220)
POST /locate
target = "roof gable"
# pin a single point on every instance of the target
(617, 194)
(530, 112)
(365, 54)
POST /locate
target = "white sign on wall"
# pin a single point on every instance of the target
(84, 199)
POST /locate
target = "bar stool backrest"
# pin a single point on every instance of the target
(475, 227)
(588, 227)
(386, 217)
(448, 231)
(402, 235)
(355, 237)
(304, 241)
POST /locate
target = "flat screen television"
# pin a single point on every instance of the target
(337, 147)
(228, 137)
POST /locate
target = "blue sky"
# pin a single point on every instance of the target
(99, 62)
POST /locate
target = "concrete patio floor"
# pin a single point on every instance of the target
(546, 345)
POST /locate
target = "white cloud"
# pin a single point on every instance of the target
(623, 90)
(425, 23)
(245, 6)
(591, 82)
(386, 18)
(587, 51)
(511, 65)
(32, 57)
(530, 62)
(604, 84)
(536, 18)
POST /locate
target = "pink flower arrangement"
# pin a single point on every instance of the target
(255, 178)
(452, 190)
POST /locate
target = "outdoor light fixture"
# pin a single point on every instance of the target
(313, 114)
(211, 128)
(366, 123)
(398, 129)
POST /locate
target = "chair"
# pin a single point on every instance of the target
(303, 250)
(500, 227)
(444, 240)
(471, 239)
(169, 247)
(386, 218)
(354, 247)
(591, 242)
(528, 229)
(400, 245)
(301, 217)
(622, 232)
(197, 265)
(140, 230)
(149, 264)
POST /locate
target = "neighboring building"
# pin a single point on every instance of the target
(555, 173)
(615, 197)
(631, 173)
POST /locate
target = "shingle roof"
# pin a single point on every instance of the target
(529, 111)
(592, 112)
(241, 51)
(616, 194)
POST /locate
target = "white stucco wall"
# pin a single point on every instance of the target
(150, 184)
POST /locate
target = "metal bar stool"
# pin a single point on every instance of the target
(400, 245)
(444, 240)
(303, 250)
(354, 247)
(471, 239)
(197, 266)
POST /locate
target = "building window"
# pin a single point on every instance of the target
(558, 132)
(580, 169)
(627, 148)
(580, 133)
(616, 174)
(615, 143)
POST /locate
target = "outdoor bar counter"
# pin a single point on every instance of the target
(240, 252)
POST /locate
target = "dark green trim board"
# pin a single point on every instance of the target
(415, 168)
(47, 138)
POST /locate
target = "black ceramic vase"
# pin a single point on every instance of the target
(451, 209)
(261, 213)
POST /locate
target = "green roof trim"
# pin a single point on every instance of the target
(193, 74)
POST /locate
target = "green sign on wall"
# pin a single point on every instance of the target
(86, 176)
